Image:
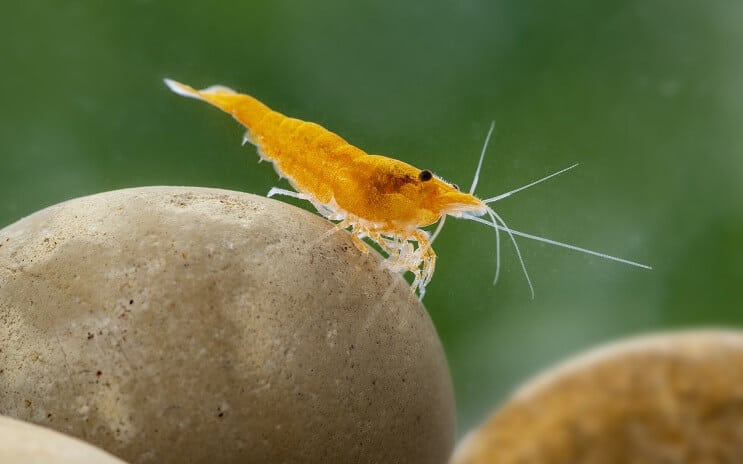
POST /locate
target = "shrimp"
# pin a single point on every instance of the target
(383, 199)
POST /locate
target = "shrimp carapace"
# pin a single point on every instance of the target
(375, 197)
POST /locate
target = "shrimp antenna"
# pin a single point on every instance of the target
(437, 231)
(556, 243)
(497, 248)
(496, 218)
(472, 190)
(508, 194)
(482, 156)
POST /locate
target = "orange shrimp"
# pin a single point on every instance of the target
(376, 197)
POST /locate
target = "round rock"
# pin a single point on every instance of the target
(671, 398)
(25, 443)
(171, 325)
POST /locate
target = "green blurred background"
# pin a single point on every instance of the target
(647, 95)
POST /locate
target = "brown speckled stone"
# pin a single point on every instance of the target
(174, 325)
(668, 399)
(24, 443)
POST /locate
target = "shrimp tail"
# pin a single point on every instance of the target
(246, 109)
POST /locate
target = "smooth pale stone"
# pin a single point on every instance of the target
(24, 443)
(175, 324)
(666, 398)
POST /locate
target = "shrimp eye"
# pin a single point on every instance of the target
(456, 187)
(425, 175)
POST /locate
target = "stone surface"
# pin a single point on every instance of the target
(170, 324)
(25, 443)
(673, 398)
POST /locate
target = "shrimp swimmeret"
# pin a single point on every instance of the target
(376, 197)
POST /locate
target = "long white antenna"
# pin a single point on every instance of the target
(497, 247)
(495, 217)
(482, 156)
(556, 243)
(508, 194)
(437, 231)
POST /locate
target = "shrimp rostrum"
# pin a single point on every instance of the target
(383, 199)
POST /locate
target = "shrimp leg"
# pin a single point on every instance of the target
(287, 193)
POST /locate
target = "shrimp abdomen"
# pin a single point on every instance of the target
(246, 109)
(309, 155)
